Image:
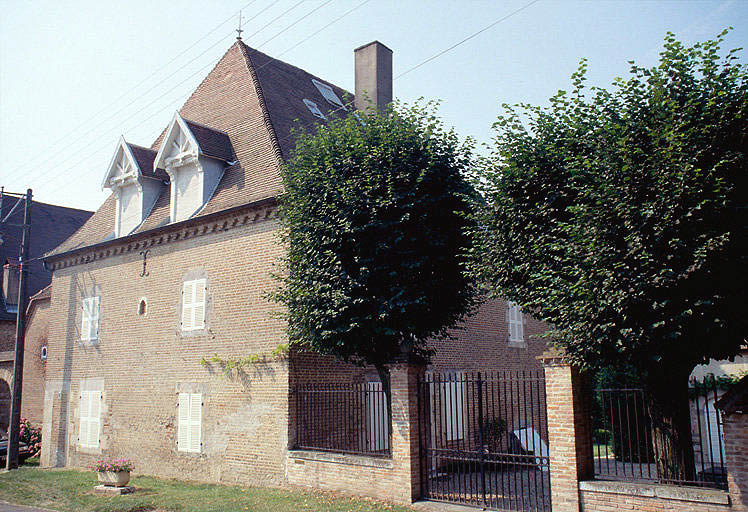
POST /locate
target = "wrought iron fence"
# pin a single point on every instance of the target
(484, 439)
(626, 444)
(344, 418)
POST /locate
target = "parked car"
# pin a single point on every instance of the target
(23, 451)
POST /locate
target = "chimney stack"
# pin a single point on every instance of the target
(373, 76)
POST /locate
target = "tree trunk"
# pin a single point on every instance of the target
(670, 412)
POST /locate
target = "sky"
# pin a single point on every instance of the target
(77, 75)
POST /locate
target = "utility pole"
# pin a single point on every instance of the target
(11, 461)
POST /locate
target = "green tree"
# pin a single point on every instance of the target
(619, 217)
(374, 220)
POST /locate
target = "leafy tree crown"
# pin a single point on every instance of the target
(619, 216)
(374, 220)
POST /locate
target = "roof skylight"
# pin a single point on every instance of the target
(327, 92)
(314, 109)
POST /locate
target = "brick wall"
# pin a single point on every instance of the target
(7, 335)
(616, 497)
(573, 490)
(34, 367)
(394, 479)
(143, 361)
(736, 452)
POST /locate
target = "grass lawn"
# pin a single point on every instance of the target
(72, 490)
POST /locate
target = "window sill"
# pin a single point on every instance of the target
(661, 491)
(300, 456)
(517, 344)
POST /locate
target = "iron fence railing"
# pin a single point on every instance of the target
(484, 439)
(345, 418)
(626, 445)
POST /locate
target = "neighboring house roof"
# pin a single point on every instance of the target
(243, 112)
(50, 225)
(735, 400)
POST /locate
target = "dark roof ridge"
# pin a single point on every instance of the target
(261, 99)
(295, 67)
(141, 147)
(203, 125)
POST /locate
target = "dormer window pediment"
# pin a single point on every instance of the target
(135, 191)
(194, 156)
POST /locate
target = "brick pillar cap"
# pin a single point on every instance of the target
(554, 356)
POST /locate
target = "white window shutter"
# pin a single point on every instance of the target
(183, 423)
(94, 419)
(85, 321)
(199, 304)
(94, 319)
(188, 291)
(196, 411)
(85, 404)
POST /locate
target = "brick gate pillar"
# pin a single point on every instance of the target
(405, 432)
(569, 447)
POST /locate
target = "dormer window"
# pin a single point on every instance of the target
(131, 178)
(194, 156)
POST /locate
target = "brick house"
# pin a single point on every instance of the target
(175, 267)
(50, 225)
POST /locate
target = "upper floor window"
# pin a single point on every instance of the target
(193, 304)
(194, 157)
(131, 178)
(90, 319)
(515, 322)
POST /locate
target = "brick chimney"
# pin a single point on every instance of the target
(373, 76)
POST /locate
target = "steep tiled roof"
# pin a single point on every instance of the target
(50, 225)
(145, 158)
(212, 142)
(249, 102)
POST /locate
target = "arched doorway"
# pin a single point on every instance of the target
(4, 407)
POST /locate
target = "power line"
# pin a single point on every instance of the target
(34, 162)
(468, 38)
(153, 101)
(140, 123)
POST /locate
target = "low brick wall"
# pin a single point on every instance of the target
(602, 496)
(351, 474)
(396, 478)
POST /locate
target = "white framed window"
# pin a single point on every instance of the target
(90, 319)
(378, 417)
(327, 92)
(453, 406)
(44, 353)
(314, 109)
(515, 321)
(90, 419)
(193, 304)
(189, 427)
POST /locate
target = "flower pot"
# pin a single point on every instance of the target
(114, 478)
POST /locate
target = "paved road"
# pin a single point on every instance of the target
(7, 507)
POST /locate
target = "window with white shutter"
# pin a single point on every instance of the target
(189, 427)
(453, 406)
(90, 319)
(90, 419)
(515, 323)
(193, 305)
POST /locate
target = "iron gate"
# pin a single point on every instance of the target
(484, 439)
